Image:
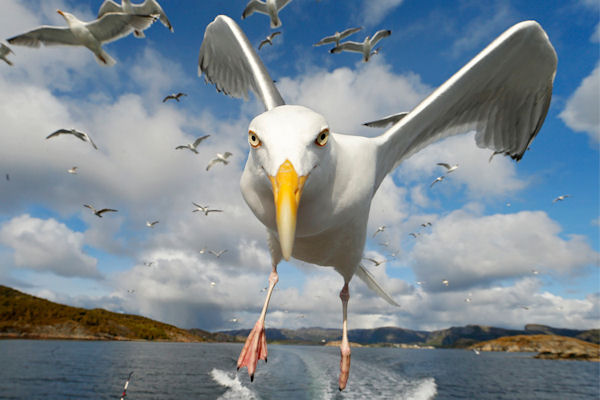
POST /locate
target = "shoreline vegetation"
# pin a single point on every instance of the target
(23, 316)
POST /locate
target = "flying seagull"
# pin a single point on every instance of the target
(336, 37)
(218, 254)
(312, 188)
(374, 261)
(148, 7)
(268, 39)
(449, 168)
(204, 209)
(78, 134)
(219, 158)
(72, 171)
(379, 229)
(386, 121)
(194, 145)
(99, 212)
(438, 179)
(148, 263)
(4, 51)
(174, 96)
(151, 224)
(92, 34)
(267, 7)
(365, 47)
(561, 198)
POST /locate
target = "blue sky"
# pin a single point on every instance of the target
(493, 223)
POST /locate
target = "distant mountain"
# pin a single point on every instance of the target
(26, 316)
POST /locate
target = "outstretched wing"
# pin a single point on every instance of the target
(228, 60)
(58, 132)
(199, 140)
(385, 121)
(151, 7)
(503, 94)
(113, 26)
(379, 35)
(254, 6)
(348, 46)
(47, 35)
(347, 32)
(109, 6)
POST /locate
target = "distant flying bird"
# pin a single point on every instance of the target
(126, 386)
(4, 51)
(174, 96)
(218, 254)
(213, 284)
(336, 37)
(467, 300)
(99, 212)
(313, 188)
(561, 198)
(148, 7)
(192, 146)
(219, 158)
(376, 262)
(204, 209)
(386, 121)
(78, 134)
(524, 307)
(72, 170)
(415, 235)
(130, 291)
(445, 282)
(449, 168)
(202, 250)
(375, 52)
(379, 229)
(535, 272)
(148, 263)
(234, 320)
(151, 224)
(92, 34)
(426, 224)
(438, 179)
(365, 47)
(268, 7)
(268, 39)
(7, 177)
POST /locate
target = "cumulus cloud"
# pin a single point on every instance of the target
(375, 11)
(582, 111)
(47, 246)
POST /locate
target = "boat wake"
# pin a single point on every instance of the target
(235, 389)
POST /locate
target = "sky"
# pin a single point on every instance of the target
(510, 254)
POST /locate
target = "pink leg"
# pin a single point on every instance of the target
(345, 346)
(255, 347)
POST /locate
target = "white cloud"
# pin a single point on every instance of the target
(47, 246)
(375, 11)
(582, 111)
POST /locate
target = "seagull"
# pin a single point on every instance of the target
(92, 34)
(415, 235)
(174, 96)
(148, 7)
(148, 263)
(126, 386)
(72, 170)
(7, 177)
(218, 254)
(192, 146)
(365, 47)
(336, 37)
(268, 39)
(379, 229)
(204, 209)
(4, 51)
(219, 158)
(234, 320)
(312, 188)
(376, 262)
(99, 212)
(151, 224)
(78, 134)
(267, 7)
(426, 224)
(561, 198)
(438, 179)
(386, 121)
(535, 272)
(130, 291)
(449, 168)
(213, 284)
(445, 282)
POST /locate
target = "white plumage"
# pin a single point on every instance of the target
(148, 7)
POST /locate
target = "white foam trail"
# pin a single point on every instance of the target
(426, 389)
(236, 389)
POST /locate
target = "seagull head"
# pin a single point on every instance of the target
(67, 16)
(289, 165)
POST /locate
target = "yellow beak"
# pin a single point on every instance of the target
(287, 189)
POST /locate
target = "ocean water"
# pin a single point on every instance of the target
(32, 369)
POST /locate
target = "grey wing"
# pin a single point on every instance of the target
(181, 147)
(441, 164)
(151, 7)
(281, 3)
(252, 6)
(47, 35)
(385, 121)
(114, 26)
(106, 210)
(89, 139)
(227, 154)
(211, 163)
(348, 46)
(199, 140)
(325, 40)
(503, 94)
(272, 35)
(58, 132)
(109, 6)
(265, 41)
(348, 32)
(228, 61)
(379, 35)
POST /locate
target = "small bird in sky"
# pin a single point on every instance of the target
(535, 271)
(524, 307)
(99, 212)
(202, 250)
(72, 171)
(124, 394)
(561, 198)
(336, 37)
(426, 224)
(414, 234)
(7, 177)
(449, 168)
(193, 146)
(174, 96)
(467, 300)
(78, 134)
(218, 254)
(213, 284)
(234, 320)
(365, 47)
(109, 27)
(148, 263)
(131, 291)
(219, 158)
(438, 179)
(376, 262)
(386, 121)
(445, 282)
(151, 224)
(148, 7)
(4, 51)
(379, 229)
(268, 39)
(268, 7)
(204, 209)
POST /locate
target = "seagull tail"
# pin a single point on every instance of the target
(373, 285)
(104, 59)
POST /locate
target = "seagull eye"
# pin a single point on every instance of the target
(321, 139)
(253, 139)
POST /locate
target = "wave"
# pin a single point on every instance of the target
(235, 388)
(425, 389)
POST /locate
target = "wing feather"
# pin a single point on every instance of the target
(151, 7)
(228, 61)
(348, 46)
(47, 35)
(114, 26)
(109, 6)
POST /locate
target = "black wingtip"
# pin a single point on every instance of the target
(252, 378)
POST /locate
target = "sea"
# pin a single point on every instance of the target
(44, 369)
